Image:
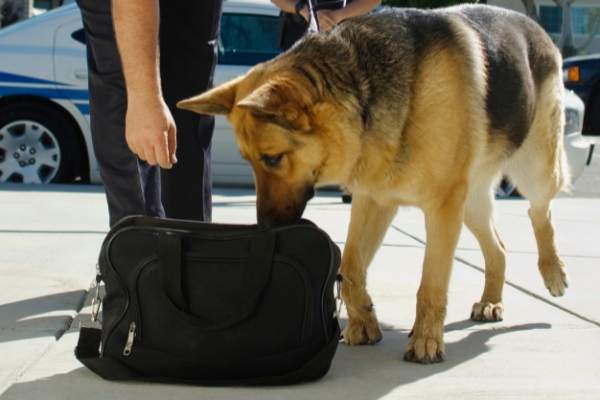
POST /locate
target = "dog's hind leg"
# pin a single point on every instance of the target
(550, 264)
(369, 222)
(479, 218)
(540, 191)
(539, 170)
(443, 222)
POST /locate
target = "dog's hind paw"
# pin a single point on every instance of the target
(425, 351)
(555, 278)
(356, 333)
(487, 312)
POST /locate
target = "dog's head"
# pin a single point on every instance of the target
(284, 128)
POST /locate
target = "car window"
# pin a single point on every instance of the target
(247, 39)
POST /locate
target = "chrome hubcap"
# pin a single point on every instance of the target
(29, 153)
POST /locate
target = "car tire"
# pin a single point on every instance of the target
(506, 189)
(38, 145)
(594, 113)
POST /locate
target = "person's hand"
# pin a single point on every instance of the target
(305, 13)
(150, 130)
(327, 20)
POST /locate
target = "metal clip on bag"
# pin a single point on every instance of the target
(214, 304)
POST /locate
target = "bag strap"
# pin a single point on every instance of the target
(258, 270)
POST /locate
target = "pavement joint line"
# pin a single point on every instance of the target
(412, 246)
(56, 232)
(530, 253)
(32, 360)
(46, 347)
(26, 329)
(508, 283)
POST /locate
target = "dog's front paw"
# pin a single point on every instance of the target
(487, 312)
(425, 349)
(555, 277)
(362, 331)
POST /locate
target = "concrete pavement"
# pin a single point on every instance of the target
(545, 348)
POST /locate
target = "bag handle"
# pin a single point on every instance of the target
(258, 270)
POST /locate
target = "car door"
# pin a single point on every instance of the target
(247, 38)
(70, 65)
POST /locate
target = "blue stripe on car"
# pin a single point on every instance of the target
(47, 93)
(74, 94)
(83, 108)
(14, 78)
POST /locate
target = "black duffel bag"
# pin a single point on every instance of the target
(214, 304)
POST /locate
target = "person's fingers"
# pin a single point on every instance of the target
(325, 21)
(130, 142)
(131, 147)
(160, 153)
(151, 134)
(139, 151)
(173, 144)
(151, 152)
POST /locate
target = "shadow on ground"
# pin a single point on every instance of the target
(60, 188)
(361, 372)
(30, 314)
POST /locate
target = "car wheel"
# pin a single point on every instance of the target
(37, 145)
(346, 197)
(506, 189)
(594, 111)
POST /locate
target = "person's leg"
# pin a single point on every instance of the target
(132, 186)
(188, 53)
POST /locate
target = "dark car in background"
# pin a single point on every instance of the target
(582, 75)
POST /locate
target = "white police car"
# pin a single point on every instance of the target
(44, 105)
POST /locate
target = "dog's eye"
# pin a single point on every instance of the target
(273, 161)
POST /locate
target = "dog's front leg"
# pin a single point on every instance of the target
(369, 222)
(443, 224)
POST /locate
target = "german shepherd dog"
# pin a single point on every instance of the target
(409, 107)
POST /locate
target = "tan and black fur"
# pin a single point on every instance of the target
(409, 107)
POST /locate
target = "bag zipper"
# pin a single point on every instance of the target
(134, 295)
(106, 250)
(130, 338)
(307, 293)
(137, 309)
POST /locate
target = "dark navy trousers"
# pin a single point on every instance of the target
(188, 37)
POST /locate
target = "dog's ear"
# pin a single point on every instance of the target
(217, 101)
(284, 101)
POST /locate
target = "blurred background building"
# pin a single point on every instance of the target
(585, 15)
(12, 11)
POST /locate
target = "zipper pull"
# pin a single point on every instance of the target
(130, 337)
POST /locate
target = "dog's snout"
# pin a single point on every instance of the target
(277, 209)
